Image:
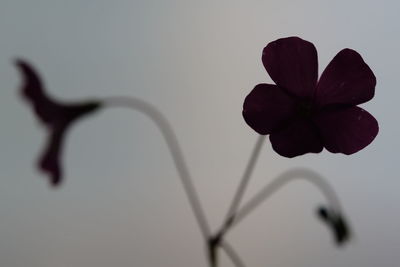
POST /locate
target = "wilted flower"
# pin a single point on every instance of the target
(56, 116)
(336, 222)
(302, 114)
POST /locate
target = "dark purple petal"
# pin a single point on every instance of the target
(57, 117)
(298, 138)
(33, 91)
(49, 162)
(346, 80)
(346, 130)
(68, 114)
(292, 64)
(267, 108)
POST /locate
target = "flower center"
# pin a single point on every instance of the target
(305, 109)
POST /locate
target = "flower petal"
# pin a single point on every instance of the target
(267, 108)
(292, 64)
(33, 90)
(298, 138)
(56, 115)
(346, 80)
(346, 130)
(49, 162)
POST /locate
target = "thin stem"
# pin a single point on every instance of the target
(172, 142)
(231, 253)
(245, 180)
(286, 177)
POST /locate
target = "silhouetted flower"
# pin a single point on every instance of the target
(56, 116)
(337, 223)
(303, 115)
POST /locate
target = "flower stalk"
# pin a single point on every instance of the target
(173, 145)
(245, 180)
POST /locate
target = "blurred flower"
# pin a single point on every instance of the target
(337, 223)
(303, 115)
(56, 116)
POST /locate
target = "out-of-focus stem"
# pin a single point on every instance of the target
(244, 181)
(231, 253)
(286, 177)
(172, 142)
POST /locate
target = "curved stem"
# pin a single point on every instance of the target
(172, 142)
(232, 254)
(286, 177)
(244, 181)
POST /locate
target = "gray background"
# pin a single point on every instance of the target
(121, 203)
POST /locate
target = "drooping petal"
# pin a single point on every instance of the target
(267, 108)
(56, 116)
(49, 162)
(346, 80)
(298, 138)
(292, 63)
(346, 130)
(33, 91)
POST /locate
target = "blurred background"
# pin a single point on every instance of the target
(122, 203)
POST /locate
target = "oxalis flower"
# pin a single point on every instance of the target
(302, 114)
(56, 116)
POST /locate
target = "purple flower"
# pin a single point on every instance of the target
(302, 114)
(56, 116)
